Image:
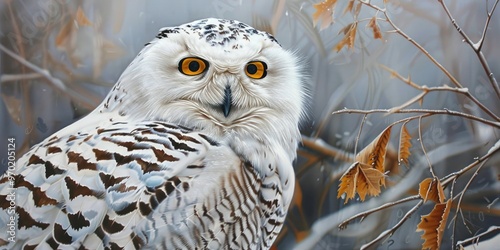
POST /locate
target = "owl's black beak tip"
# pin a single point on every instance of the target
(226, 104)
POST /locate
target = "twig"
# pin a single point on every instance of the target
(18, 77)
(423, 147)
(425, 111)
(461, 197)
(56, 83)
(477, 46)
(394, 228)
(359, 134)
(324, 148)
(425, 90)
(476, 238)
(409, 39)
(364, 214)
(447, 179)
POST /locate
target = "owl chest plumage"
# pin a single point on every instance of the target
(142, 185)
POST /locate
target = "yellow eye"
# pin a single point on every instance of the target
(256, 69)
(192, 66)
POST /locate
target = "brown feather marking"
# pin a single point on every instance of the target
(130, 146)
(71, 138)
(52, 243)
(81, 162)
(122, 160)
(76, 189)
(101, 155)
(111, 226)
(34, 159)
(25, 220)
(162, 156)
(209, 140)
(61, 236)
(181, 145)
(127, 209)
(147, 166)
(109, 180)
(53, 150)
(51, 170)
(160, 195)
(40, 198)
(29, 247)
(78, 220)
(144, 208)
(184, 137)
(138, 242)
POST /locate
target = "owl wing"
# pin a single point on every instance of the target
(130, 186)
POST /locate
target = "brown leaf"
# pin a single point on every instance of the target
(404, 145)
(433, 225)
(64, 33)
(372, 24)
(324, 11)
(431, 189)
(349, 7)
(362, 179)
(349, 36)
(358, 9)
(81, 18)
(13, 105)
(374, 153)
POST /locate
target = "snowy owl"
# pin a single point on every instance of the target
(191, 149)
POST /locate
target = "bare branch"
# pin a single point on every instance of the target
(428, 112)
(423, 148)
(462, 195)
(324, 148)
(394, 228)
(18, 77)
(476, 238)
(447, 179)
(480, 43)
(477, 47)
(416, 44)
(364, 214)
(425, 89)
(56, 83)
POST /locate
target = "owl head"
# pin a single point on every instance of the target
(220, 76)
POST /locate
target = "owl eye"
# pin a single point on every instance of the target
(256, 69)
(192, 66)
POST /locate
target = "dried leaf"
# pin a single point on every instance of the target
(349, 7)
(64, 33)
(81, 18)
(373, 25)
(433, 225)
(404, 145)
(358, 9)
(431, 189)
(374, 153)
(349, 36)
(362, 179)
(13, 105)
(324, 11)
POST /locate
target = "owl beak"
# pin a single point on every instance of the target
(226, 104)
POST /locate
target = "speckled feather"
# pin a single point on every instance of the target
(149, 170)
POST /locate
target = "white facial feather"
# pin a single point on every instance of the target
(266, 109)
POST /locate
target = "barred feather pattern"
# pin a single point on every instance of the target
(159, 187)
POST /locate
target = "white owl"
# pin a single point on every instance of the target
(191, 149)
